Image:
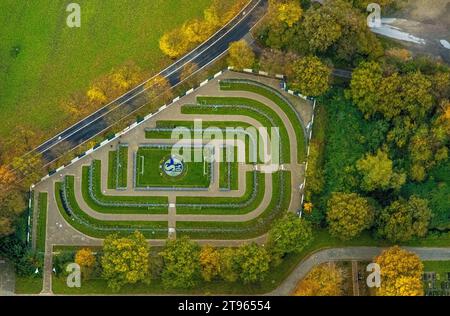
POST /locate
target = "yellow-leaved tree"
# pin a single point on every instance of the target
(241, 55)
(401, 273)
(323, 280)
(85, 258)
(174, 43)
(209, 262)
(311, 76)
(125, 260)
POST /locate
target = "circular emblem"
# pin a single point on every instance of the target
(173, 166)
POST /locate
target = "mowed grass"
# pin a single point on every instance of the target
(149, 172)
(42, 221)
(54, 60)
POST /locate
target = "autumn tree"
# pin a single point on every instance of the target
(181, 267)
(28, 168)
(322, 28)
(174, 43)
(6, 226)
(428, 147)
(126, 77)
(401, 273)
(222, 11)
(125, 260)
(323, 280)
(158, 87)
(404, 219)
(196, 31)
(229, 268)
(378, 173)
(100, 91)
(366, 79)
(337, 25)
(253, 263)
(188, 70)
(392, 95)
(311, 76)
(348, 214)
(315, 179)
(285, 12)
(85, 258)
(278, 62)
(241, 55)
(289, 235)
(209, 262)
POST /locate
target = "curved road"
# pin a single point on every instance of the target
(203, 55)
(349, 254)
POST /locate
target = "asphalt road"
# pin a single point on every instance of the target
(203, 55)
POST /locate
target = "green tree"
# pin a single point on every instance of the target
(377, 172)
(322, 28)
(229, 268)
(181, 263)
(364, 86)
(311, 76)
(404, 219)
(241, 55)
(289, 234)
(125, 260)
(348, 214)
(253, 263)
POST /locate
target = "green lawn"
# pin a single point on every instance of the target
(55, 60)
(149, 172)
(42, 221)
(117, 168)
(112, 170)
(28, 285)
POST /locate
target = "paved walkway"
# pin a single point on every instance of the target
(348, 254)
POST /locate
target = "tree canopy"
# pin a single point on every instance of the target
(125, 260)
(401, 273)
(289, 234)
(181, 263)
(348, 215)
(404, 219)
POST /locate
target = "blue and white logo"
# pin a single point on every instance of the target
(173, 166)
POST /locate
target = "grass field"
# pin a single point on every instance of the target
(54, 60)
(149, 171)
(42, 221)
(117, 168)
